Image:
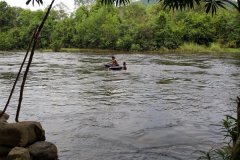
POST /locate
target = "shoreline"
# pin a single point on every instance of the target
(188, 49)
(185, 48)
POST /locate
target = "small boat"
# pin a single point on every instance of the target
(115, 68)
(108, 65)
(111, 67)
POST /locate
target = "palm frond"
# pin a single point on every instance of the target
(38, 1)
(213, 5)
(115, 2)
(231, 117)
(224, 153)
(206, 155)
(179, 4)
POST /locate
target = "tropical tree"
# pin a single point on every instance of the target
(210, 5)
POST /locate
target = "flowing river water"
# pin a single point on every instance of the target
(164, 107)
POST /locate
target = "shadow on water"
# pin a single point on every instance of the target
(172, 80)
(7, 75)
(84, 71)
(176, 62)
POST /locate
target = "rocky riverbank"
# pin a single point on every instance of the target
(24, 141)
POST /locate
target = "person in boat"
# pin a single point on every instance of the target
(124, 66)
(114, 61)
(118, 68)
(113, 65)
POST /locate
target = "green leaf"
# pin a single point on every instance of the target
(179, 4)
(213, 5)
(38, 1)
(28, 2)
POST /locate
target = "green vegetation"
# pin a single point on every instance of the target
(230, 150)
(135, 27)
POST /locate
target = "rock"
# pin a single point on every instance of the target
(3, 158)
(21, 134)
(43, 151)
(4, 117)
(19, 153)
(236, 150)
(4, 150)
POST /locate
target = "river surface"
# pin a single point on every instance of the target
(163, 107)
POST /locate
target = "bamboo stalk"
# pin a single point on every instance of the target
(30, 59)
(19, 72)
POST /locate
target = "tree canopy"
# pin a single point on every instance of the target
(210, 5)
(134, 27)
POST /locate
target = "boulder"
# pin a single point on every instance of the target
(236, 150)
(21, 134)
(19, 153)
(43, 151)
(4, 150)
(4, 117)
(3, 158)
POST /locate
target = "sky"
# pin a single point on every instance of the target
(22, 4)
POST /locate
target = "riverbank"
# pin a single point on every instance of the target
(185, 48)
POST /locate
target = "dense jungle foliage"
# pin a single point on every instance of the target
(136, 27)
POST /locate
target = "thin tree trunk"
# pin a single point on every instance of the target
(19, 72)
(30, 59)
(238, 2)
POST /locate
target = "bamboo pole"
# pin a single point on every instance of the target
(19, 72)
(30, 59)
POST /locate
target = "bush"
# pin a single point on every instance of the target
(56, 46)
(136, 47)
(124, 43)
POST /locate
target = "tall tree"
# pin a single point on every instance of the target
(210, 5)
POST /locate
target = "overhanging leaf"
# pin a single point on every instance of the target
(28, 2)
(213, 5)
(38, 1)
(179, 4)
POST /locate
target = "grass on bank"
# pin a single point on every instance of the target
(185, 48)
(213, 48)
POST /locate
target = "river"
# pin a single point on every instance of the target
(163, 107)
